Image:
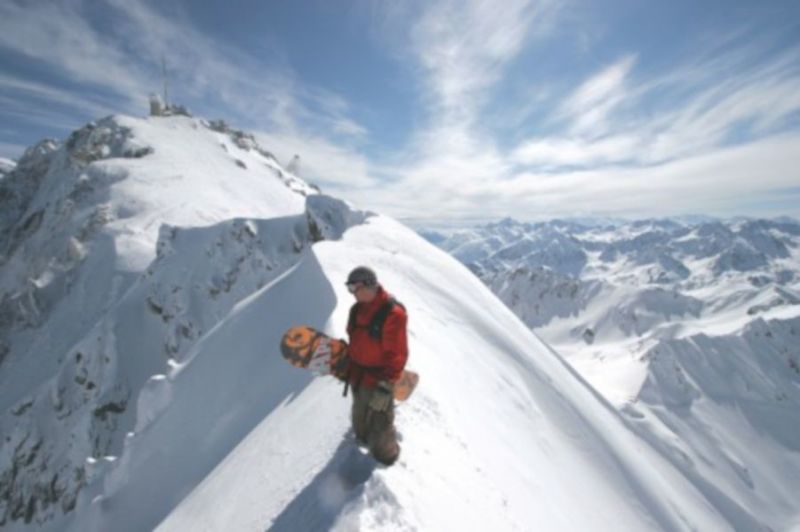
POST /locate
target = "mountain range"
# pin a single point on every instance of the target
(690, 327)
(149, 267)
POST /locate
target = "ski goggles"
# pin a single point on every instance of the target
(353, 287)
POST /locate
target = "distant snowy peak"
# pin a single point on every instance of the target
(667, 246)
(605, 282)
(110, 165)
(648, 279)
(102, 194)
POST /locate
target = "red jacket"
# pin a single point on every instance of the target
(375, 360)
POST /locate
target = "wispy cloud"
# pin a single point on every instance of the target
(57, 35)
(461, 49)
(715, 183)
(463, 46)
(24, 89)
(212, 77)
(699, 136)
(694, 109)
(744, 100)
(589, 106)
(552, 153)
(334, 167)
(49, 118)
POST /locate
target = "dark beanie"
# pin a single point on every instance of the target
(362, 274)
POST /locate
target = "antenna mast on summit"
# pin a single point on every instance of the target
(164, 75)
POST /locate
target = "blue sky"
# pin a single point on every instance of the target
(447, 111)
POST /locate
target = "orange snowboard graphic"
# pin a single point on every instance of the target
(305, 347)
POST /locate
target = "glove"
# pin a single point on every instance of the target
(382, 397)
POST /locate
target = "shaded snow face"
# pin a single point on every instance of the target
(120, 249)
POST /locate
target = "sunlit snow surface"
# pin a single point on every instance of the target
(150, 268)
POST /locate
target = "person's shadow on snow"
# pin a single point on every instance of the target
(321, 502)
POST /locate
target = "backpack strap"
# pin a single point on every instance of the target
(351, 321)
(375, 326)
(378, 320)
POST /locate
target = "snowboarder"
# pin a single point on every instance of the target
(378, 354)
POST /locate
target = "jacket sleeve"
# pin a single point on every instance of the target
(394, 344)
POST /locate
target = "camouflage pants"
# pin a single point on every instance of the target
(375, 429)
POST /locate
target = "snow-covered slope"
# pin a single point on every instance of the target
(501, 433)
(690, 328)
(149, 269)
(81, 224)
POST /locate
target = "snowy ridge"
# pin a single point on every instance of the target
(502, 422)
(689, 327)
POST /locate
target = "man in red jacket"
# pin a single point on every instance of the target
(378, 354)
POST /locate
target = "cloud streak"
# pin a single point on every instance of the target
(714, 183)
(59, 36)
(22, 89)
(462, 47)
(209, 76)
(589, 106)
(714, 133)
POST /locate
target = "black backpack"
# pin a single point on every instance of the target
(375, 326)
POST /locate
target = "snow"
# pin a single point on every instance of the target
(150, 269)
(85, 322)
(286, 458)
(691, 331)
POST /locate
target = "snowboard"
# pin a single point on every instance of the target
(308, 348)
